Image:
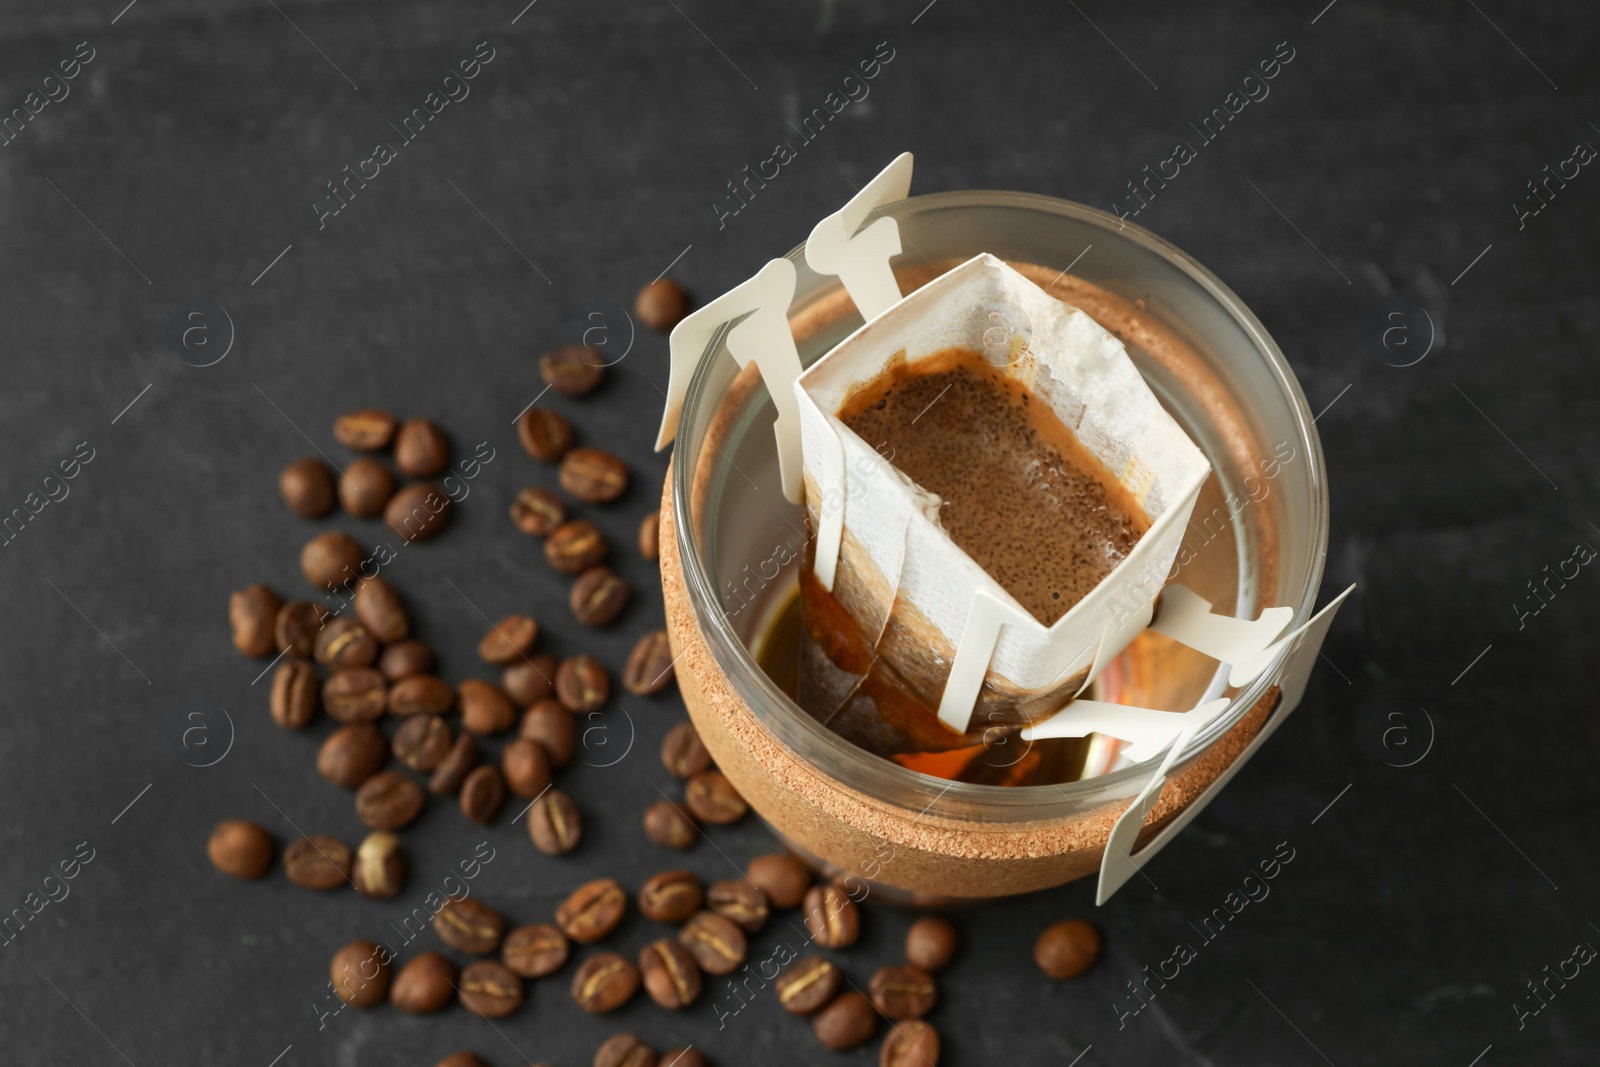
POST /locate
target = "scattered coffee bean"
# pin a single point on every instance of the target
(593, 910)
(330, 559)
(808, 984)
(344, 642)
(253, 614)
(554, 823)
(454, 768)
(360, 974)
(713, 799)
(490, 989)
(424, 985)
(380, 868)
(592, 475)
(406, 659)
(484, 708)
(463, 1059)
(545, 433)
(380, 611)
(352, 754)
(683, 1057)
(418, 512)
(422, 742)
(717, 943)
(295, 629)
(551, 724)
(582, 684)
(307, 487)
(537, 512)
(649, 667)
(294, 694)
(930, 943)
(661, 304)
(1067, 949)
(509, 640)
(903, 991)
(526, 767)
(420, 449)
(483, 794)
(831, 917)
(388, 800)
(365, 487)
(240, 848)
(535, 951)
(365, 431)
(358, 694)
(574, 370)
(604, 982)
(598, 597)
(738, 900)
(574, 547)
(682, 753)
(469, 925)
(669, 825)
(671, 976)
(650, 536)
(846, 1023)
(528, 681)
(671, 897)
(782, 877)
(317, 862)
(910, 1044)
(624, 1050)
(421, 694)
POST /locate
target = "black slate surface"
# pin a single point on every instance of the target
(1379, 178)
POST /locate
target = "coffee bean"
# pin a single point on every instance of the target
(424, 985)
(554, 823)
(296, 627)
(649, 667)
(344, 642)
(582, 683)
(360, 974)
(380, 868)
(358, 694)
(683, 1057)
(406, 659)
(526, 767)
(483, 794)
(294, 694)
(604, 982)
(903, 991)
(624, 1050)
(536, 512)
(454, 768)
(807, 985)
(550, 723)
(307, 487)
(593, 910)
(545, 433)
(418, 512)
(421, 694)
(831, 917)
(574, 370)
(388, 800)
(535, 951)
(782, 877)
(463, 1059)
(380, 611)
(592, 475)
(330, 559)
(528, 681)
(484, 708)
(469, 925)
(352, 754)
(574, 547)
(650, 536)
(598, 597)
(365, 487)
(509, 640)
(490, 989)
(716, 943)
(661, 304)
(240, 848)
(253, 613)
(422, 742)
(738, 900)
(930, 943)
(1067, 949)
(671, 976)
(712, 798)
(846, 1023)
(682, 753)
(910, 1044)
(669, 826)
(365, 431)
(671, 896)
(317, 862)
(420, 449)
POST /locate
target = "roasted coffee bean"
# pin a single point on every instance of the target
(1067, 949)
(738, 900)
(343, 643)
(671, 976)
(454, 768)
(650, 536)
(420, 449)
(388, 800)
(365, 431)
(317, 862)
(380, 611)
(582, 683)
(424, 985)
(574, 547)
(669, 825)
(469, 925)
(717, 943)
(550, 723)
(358, 694)
(253, 614)
(593, 910)
(536, 512)
(554, 823)
(380, 868)
(365, 487)
(683, 1057)
(535, 951)
(910, 1044)
(831, 917)
(682, 753)
(422, 742)
(661, 304)
(782, 877)
(421, 694)
(405, 660)
(624, 1050)
(509, 640)
(593, 476)
(712, 798)
(671, 896)
(530, 680)
(330, 559)
(360, 974)
(296, 627)
(490, 989)
(846, 1023)
(483, 794)
(526, 767)
(545, 433)
(307, 487)
(598, 597)
(294, 694)
(903, 991)
(604, 982)
(484, 708)
(463, 1059)
(575, 370)
(352, 754)
(649, 667)
(240, 848)
(418, 512)
(930, 943)
(808, 984)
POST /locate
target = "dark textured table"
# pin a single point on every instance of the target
(1434, 788)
